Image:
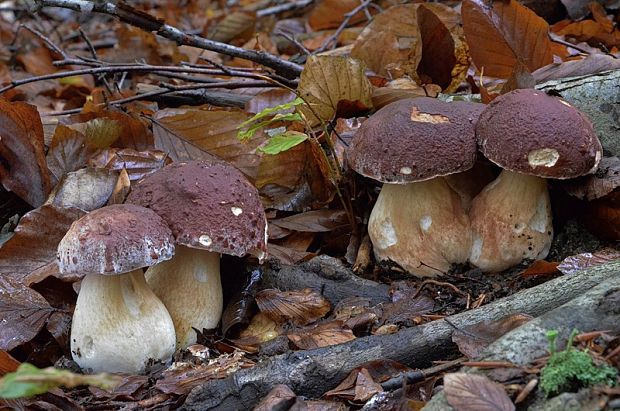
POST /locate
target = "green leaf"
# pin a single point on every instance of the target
(252, 124)
(29, 381)
(283, 142)
(249, 133)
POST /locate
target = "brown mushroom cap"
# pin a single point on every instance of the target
(208, 205)
(416, 139)
(530, 132)
(115, 239)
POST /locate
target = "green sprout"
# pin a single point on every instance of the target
(572, 366)
(281, 140)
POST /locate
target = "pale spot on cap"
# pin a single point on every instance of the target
(406, 170)
(544, 157)
(205, 240)
(236, 211)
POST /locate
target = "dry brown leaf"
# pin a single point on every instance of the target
(137, 164)
(269, 98)
(133, 133)
(473, 339)
(7, 363)
(23, 169)
(121, 188)
(288, 256)
(87, 189)
(378, 370)
(328, 81)
(445, 55)
(574, 263)
(23, 312)
(502, 33)
(301, 307)
(238, 26)
(260, 330)
(329, 14)
(591, 32)
(578, 9)
(471, 392)
(600, 16)
(33, 247)
(281, 397)
(323, 335)
(603, 216)
(592, 64)
(180, 380)
(38, 61)
(316, 221)
(540, 267)
(68, 152)
(365, 386)
(406, 310)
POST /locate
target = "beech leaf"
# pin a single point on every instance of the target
(471, 392)
(502, 33)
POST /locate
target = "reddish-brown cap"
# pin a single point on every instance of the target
(208, 205)
(530, 132)
(416, 139)
(115, 239)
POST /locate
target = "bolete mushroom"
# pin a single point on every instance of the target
(212, 209)
(119, 324)
(418, 221)
(532, 136)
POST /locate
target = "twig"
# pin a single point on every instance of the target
(435, 282)
(147, 22)
(160, 70)
(293, 5)
(411, 377)
(169, 88)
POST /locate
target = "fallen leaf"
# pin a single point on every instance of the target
(23, 312)
(7, 363)
(603, 216)
(591, 32)
(575, 263)
(365, 386)
(137, 164)
(592, 64)
(540, 267)
(301, 307)
(182, 379)
(69, 151)
(260, 330)
(502, 33)
(33, 247)
(240, 308)
(288, 256)
(280, 397)
(87, 189)
(578, 9)
(322, 335)
(329, 14)
(593, 186)
(405, 310)
(473, 339)
(326, 81)
(23, 169)
(471, 392)
(315, 221)
(378, 370)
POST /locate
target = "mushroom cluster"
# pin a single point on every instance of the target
(423, 150)
(212, 209)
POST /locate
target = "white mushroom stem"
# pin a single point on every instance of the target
(189, 285)
(511, 221)
(421, 226)
(119, 324)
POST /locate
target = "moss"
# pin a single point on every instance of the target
(571, 367)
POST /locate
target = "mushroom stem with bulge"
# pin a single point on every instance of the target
(189, 286)
(511, 221)
(422, 226)
(119, 324)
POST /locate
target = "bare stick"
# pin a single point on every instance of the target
(147, 22)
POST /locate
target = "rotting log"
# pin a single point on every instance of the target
(313, 372)
(328, 276)
(597, 309)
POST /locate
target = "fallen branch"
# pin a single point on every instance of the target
(328, 276)
(312, 372)
(596, 309)
(144, 21)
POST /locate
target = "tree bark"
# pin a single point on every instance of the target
(312, 372)
(597, 309)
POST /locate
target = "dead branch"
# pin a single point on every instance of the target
(596, 309)
(144, 21)
(312, 372)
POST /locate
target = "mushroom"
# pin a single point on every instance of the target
(212, 209)
(119, 324)
(418, 221)
(532, 136)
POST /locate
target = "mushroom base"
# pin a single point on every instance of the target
(119, 324)
(420, 226)
(189, 286)
(511, 221)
